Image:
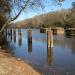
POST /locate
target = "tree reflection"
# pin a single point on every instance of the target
(19, 38)
(29, 40)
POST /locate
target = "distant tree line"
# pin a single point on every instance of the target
(52, 19)
(64, 18)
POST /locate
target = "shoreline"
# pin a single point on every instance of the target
(10, 65)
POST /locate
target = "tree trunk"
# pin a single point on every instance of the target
(3, 41)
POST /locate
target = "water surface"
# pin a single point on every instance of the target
(59, 60)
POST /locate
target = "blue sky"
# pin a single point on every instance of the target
(49, 7)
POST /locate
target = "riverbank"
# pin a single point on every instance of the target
(12, 66)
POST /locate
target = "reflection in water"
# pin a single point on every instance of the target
(29, 40)
(49, 55)
(49, 46)
(61, 59)
(73, 48)
(14, 35)
(5, 33)
(19, 38)
(8, 31)
(11, 34)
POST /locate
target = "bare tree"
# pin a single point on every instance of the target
(15, 7)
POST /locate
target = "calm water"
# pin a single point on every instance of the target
(60, 60)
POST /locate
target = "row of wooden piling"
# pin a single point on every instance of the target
(49, 41)
(70, 31)
(58, 30)
(48, 31)
(49, 37)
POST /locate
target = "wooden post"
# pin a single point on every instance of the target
(19, 38)
(43, 30)
(54, 31)
(29, 40)
(46, 30)
(49, 38)
(49, 45)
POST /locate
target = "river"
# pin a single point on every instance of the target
(58, 60)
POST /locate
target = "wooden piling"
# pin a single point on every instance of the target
(70, 31)
(54, 31)
(43, 30)
(49, 38)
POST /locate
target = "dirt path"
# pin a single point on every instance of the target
(10, 66)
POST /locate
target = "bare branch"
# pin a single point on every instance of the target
(20, 11)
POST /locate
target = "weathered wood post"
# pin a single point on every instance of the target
(49, 45)
(29, 40)
(19, 37)
(43, 30)
(49, 38)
